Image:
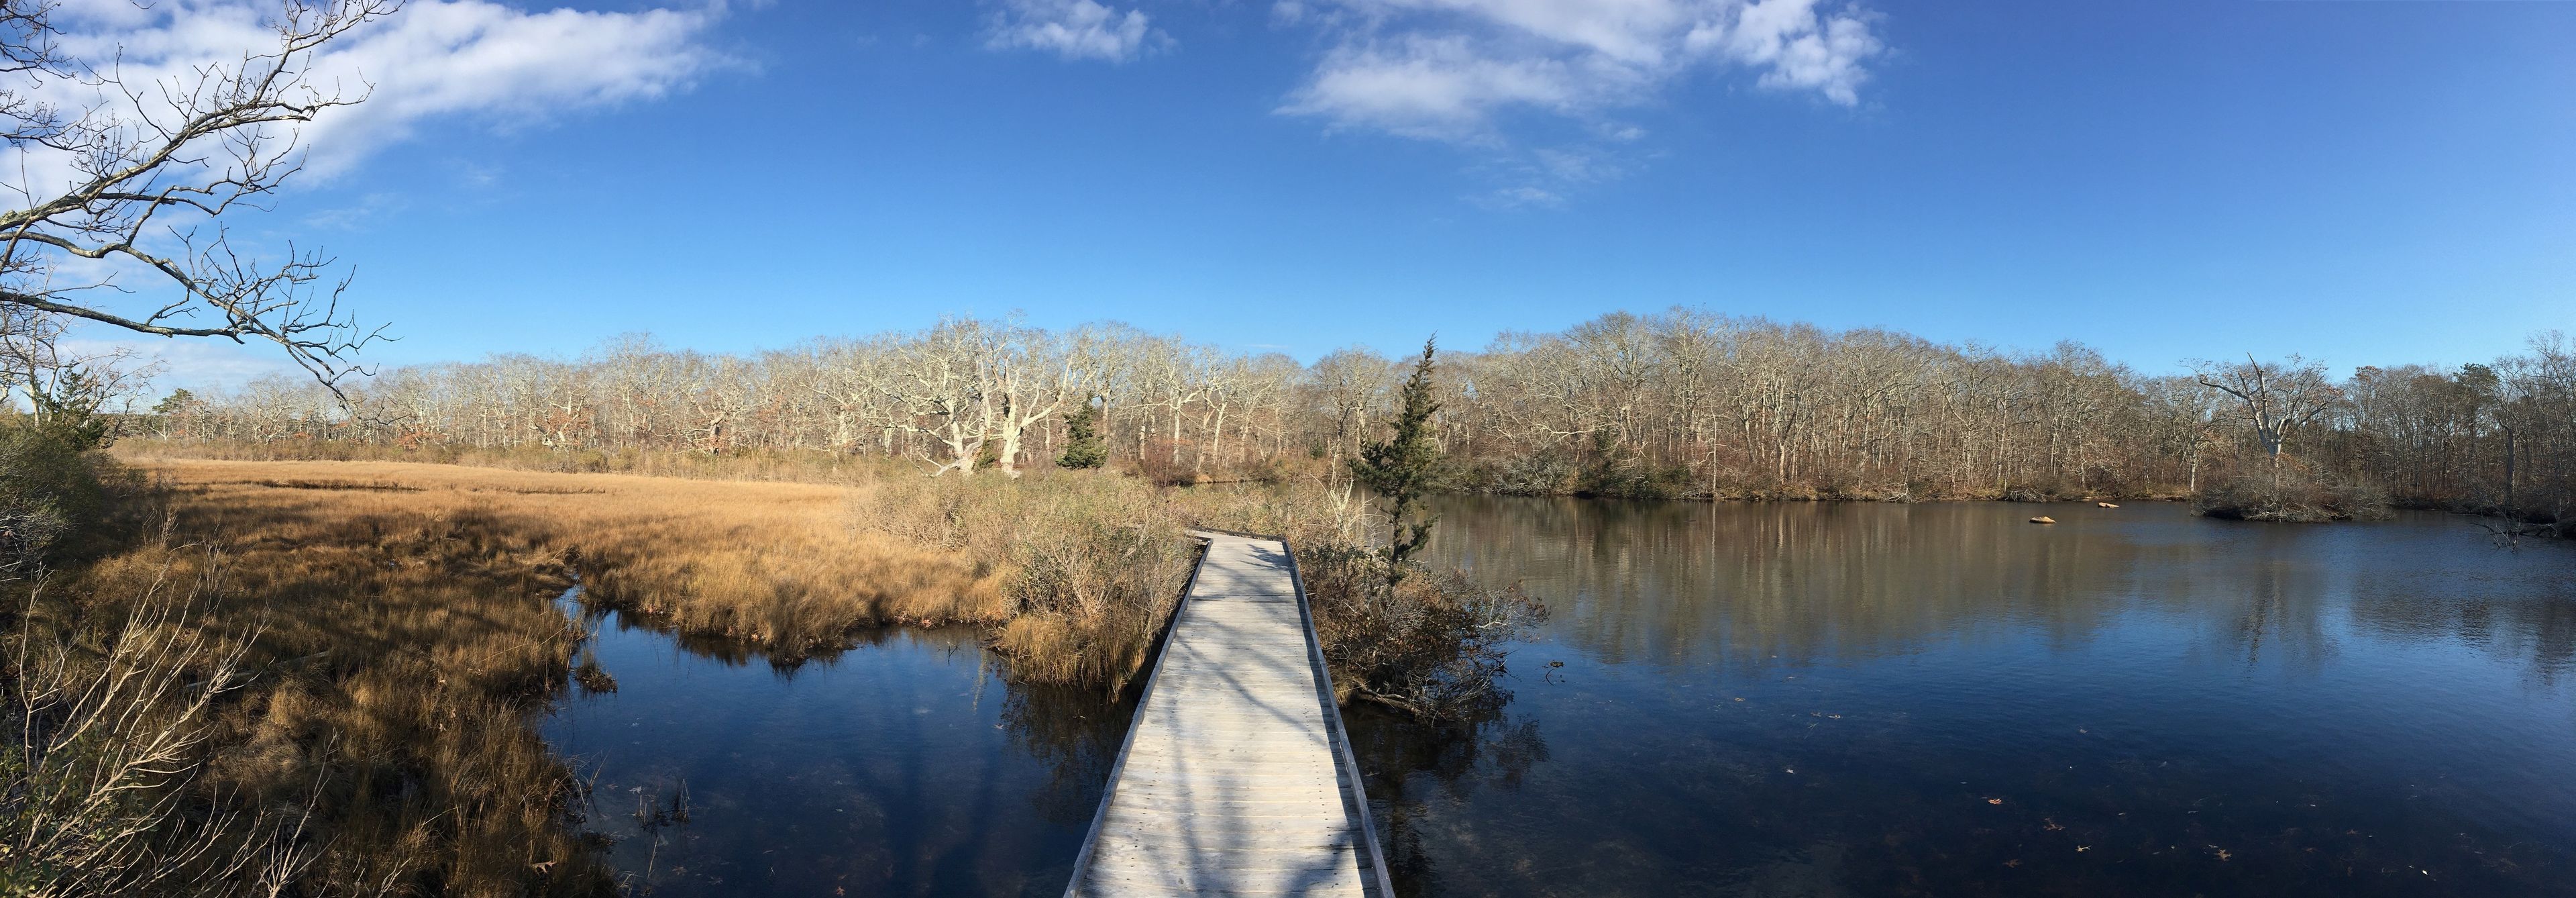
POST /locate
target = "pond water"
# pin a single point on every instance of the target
(1785, 699)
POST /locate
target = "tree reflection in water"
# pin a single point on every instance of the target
(1782, 699)
(1943, 699)
(1077, 734)
(1398, 755)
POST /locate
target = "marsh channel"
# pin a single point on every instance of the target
(1739, 699)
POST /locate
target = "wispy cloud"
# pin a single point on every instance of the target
(1074, 30)
(1484, 73)
(1450, 69)
(1521, 197)
(361, 215)
(445, 60)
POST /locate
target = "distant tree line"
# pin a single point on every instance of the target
(1677, 403)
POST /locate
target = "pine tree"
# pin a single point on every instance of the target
(1083, 447)
(1401, 469)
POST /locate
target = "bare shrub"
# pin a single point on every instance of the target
(1433, 647)
(2290, 494)
(97, 792)
(1095, 563)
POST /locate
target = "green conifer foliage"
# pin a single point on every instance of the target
(1401, 469)
(1083, 447)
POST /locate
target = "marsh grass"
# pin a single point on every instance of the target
(776, 465)
(391, 634)
(373, 679)
(368, 643)
(778, 565)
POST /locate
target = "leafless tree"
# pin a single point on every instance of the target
(121, 174)
(1681, 402)
(2274, 399)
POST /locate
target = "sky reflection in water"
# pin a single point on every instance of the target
(1755, 699)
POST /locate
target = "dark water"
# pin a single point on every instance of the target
(1756, 700)
(903, 767)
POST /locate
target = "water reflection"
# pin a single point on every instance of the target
(1754, 700)
(903, 766)
(1945, 699)
(1399, 758)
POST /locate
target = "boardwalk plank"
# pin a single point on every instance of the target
(1233, 780)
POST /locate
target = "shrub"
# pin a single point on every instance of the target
(95, 794)
(50, 489)
(1547, 472)
(1433, 647)
(2293, 495)
(1095, 562)
(1092, 562)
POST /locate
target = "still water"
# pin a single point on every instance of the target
(1753, 700)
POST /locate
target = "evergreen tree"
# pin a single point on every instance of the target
(1083, 447)
(1401, 469)
(68, 406)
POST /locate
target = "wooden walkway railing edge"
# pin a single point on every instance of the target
(1341, 735)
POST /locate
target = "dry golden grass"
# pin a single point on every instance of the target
(396, 660)
(796, 466)
(398, 623)
(397, 619)
(775, 564)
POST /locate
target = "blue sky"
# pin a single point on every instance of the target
(2362, 182)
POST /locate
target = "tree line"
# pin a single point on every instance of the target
(1683, 402)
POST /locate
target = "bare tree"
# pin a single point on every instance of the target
(1676, 403)
(1352, 381)
(139, 174)
(1036, 378)
(64, 387)
(2274, 399)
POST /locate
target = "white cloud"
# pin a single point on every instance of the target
(433, 60)
(1449, 69)
(1074, 29)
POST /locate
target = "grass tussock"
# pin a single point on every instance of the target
(1089, 563)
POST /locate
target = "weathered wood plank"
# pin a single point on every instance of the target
(1234, 779)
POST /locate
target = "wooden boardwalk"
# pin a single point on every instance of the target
(1236, 778)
